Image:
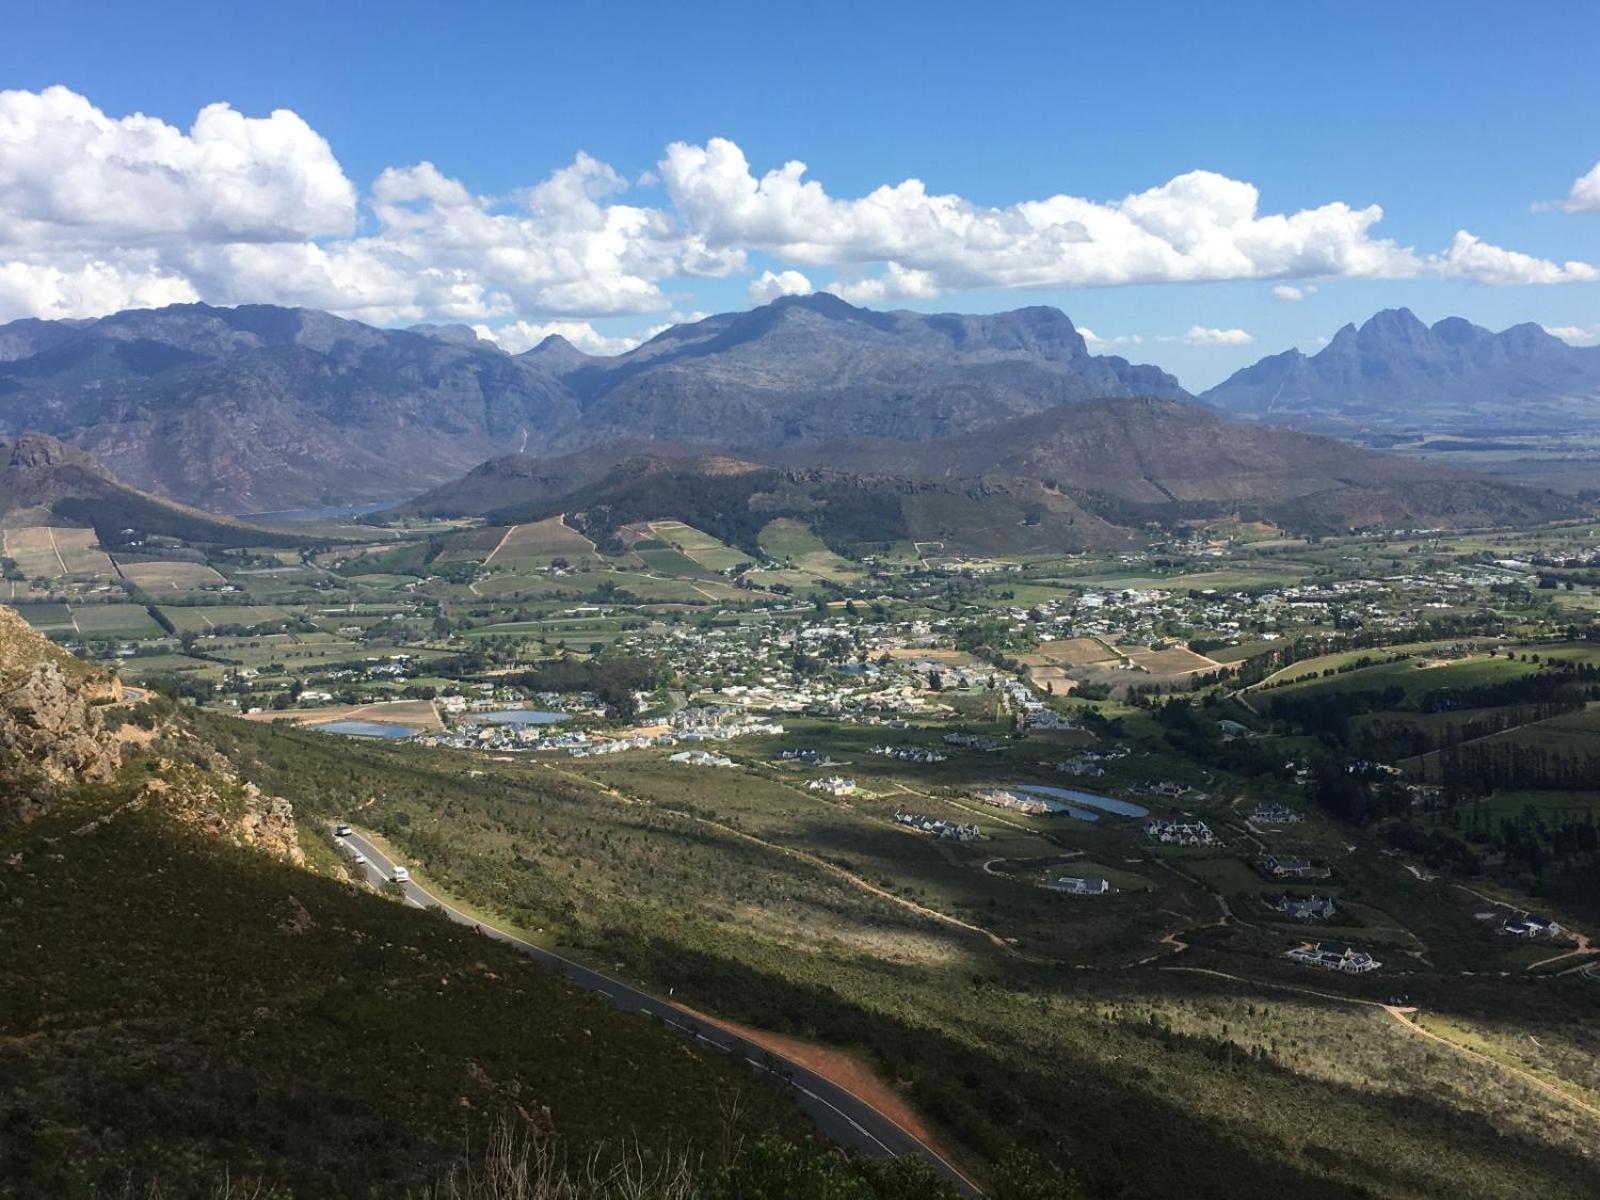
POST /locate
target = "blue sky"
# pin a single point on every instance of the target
(1459, 116)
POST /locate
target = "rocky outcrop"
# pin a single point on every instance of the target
(213, 800)
(51, 735)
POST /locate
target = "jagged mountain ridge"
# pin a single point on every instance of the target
(259, 408)
(1396, 374)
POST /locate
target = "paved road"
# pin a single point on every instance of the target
(843, 1116)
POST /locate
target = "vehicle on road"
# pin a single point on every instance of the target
(401, 875)
(361, 860)
(341, 830)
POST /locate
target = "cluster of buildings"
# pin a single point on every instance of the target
(834, 785)
(910, 754)
(700, 758)
(1284, 866)
(1174, 832)
(1334, 956)
(1081, 885)
(948, 830)
(1305, 908)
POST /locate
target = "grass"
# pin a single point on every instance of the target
(370, 1025)
(115, 621)
(689, 879)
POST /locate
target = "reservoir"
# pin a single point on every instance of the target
(1071, 798)
(515, 716)
(367, 729)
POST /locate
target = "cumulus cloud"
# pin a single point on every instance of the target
(772, 284)
(896, 283)
(1196, 227)
(1471, 258)
(1585, 194)
(1576, 335)
(1199, 335)
(99, 212)
(69, 175)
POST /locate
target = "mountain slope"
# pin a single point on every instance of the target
(257, 408)
(183, 1008)
(1395, 374)
(43, 482)
(1078, 476)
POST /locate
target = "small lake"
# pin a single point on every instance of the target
(366, 729)
(1070, 798)
(515, 716)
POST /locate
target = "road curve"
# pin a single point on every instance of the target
(841, 1114)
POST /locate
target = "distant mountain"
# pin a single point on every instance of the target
(811, 368)
(1082, 476)
(43, 482)
(259, 408)
(1396, 375)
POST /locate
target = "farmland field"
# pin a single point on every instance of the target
(115, 620)
(787, 540)
(170, 576)
(700, 547)
(203, 619)
(537, 543)
(54, 553)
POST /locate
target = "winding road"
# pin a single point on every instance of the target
(841, 1114)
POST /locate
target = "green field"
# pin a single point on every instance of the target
(115, 621)
(788, 541)
(203, 619)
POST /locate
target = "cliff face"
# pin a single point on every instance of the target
(51, 735)
(214, 801)
(53, 739)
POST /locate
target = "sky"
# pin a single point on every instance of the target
(1195, 185)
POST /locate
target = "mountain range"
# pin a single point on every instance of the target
(259, 408)
(1396, 375)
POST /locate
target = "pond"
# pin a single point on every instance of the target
(516, 716)
(1072, 797)
(367, 729)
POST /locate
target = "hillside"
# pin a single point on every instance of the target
(1082, 476)
(181, 1004)
(43, 482)
(1395, 374)
(258, 408)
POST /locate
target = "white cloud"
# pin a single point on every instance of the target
(1096, 342)
(516, 336)
(1585, 194)
(1200, 226)
(896, 283)
(70, 175)
(770, 285)
(90, 289)
(99, 212)
(1576, 335)
(1471, 258)
(1199, 335)
(1290, 294)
